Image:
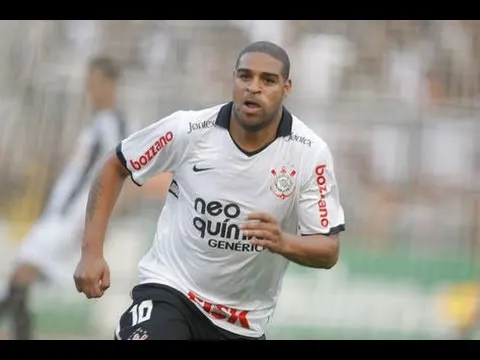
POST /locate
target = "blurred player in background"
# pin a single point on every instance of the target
(253, 189)
(47, 250)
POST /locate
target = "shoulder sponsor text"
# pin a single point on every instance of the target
(322, 188)
(152, 151)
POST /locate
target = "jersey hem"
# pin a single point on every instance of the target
(333, 231)
(121, 157)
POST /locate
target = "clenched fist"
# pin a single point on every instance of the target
(264, 230)
(92, 276)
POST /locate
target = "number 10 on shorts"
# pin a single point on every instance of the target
(141, 312)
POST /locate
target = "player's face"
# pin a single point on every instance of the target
(96, 85)
(258, 90)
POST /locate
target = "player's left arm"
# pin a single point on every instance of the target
(320, 219)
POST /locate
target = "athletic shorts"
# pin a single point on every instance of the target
(159, 312)
(53, 245)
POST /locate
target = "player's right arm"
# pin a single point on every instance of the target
(160, 147)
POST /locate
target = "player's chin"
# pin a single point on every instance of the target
(251, 121)
(251, 111)
(252, 126)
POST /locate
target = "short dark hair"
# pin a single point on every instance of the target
(271, 49)
(109, 67)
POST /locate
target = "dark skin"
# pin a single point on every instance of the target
(102, 90)
(258, 78)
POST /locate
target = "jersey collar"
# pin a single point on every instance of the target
(284, 128)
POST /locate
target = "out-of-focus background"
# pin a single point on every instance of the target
(397, 101)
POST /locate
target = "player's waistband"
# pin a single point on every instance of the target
(162, 292)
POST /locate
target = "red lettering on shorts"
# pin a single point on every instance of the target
(220, 312)
(152, 151)
(322, 189)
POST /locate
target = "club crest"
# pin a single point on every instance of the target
(139, 334)
(283, 182)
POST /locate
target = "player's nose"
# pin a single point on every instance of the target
(253, 87)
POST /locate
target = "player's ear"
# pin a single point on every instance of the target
(287, 88)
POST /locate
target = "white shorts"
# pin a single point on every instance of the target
(53, 245)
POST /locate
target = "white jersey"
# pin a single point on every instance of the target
(198, 247)
(108, 127)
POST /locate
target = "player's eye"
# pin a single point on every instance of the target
(244, 76)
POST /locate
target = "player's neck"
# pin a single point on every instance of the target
(105, 104)
(253, 141)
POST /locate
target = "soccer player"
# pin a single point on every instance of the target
(48, 248)
(253, 188)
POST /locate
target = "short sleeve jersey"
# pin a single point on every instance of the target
(199, 248)
(93, 144)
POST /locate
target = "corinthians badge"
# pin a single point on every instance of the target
(283, 182)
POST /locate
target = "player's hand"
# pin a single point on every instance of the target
(92, 276)
(264, 230)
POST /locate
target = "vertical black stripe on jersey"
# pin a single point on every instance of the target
(95, 154)
(122, 124)
(82, 181)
